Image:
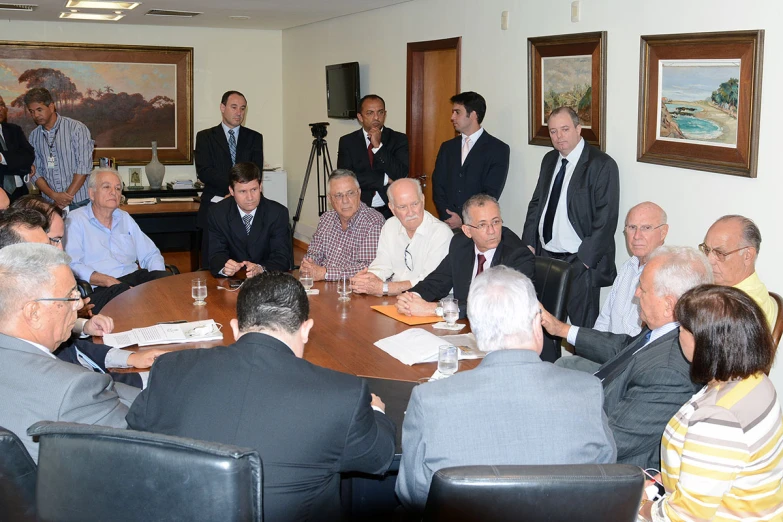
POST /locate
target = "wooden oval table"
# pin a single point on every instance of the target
(341, 339)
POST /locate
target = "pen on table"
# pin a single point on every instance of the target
(174, 322)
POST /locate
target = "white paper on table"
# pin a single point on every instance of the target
(196, 331)
(413, 346)
(467, 345)
(216, 199)
(120, 339)
(142, 201)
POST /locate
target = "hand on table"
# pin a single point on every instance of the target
(454, 221)
(365, 282)
(253, 269)
(319, 272)
(145, 358)
(411, 304)
(377, 402)
(232, 267)
(98, 325)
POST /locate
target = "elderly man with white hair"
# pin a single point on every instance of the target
(105, 243)
(38, 302)
(412, 244)
(504, 407)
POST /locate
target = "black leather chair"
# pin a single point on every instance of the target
(85, 288)
(552, 287)
(94, 474)
(17, 479)
(587, 493)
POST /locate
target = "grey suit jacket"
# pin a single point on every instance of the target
(642, 399)
(512, 409)
(37, 387)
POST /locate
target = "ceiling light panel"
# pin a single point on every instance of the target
(93, 16)
(96, 4)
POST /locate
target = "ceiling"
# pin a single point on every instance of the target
(263, 14)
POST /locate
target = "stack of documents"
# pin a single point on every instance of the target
(197, 331)
(182, 184)
(416, 345)
(142, 201)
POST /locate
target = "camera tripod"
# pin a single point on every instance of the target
(323, 167)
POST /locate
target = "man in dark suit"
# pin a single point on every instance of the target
(247, 230)
(472, 163)
(16, 156)
(377, 155)
(579, 225)
(308, 423)
(483, 243)
(646, 378)
(217, 150)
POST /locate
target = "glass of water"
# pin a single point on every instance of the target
(198, 289)
(344, 288)
(450, 310)
(447, 359)
(306, 278)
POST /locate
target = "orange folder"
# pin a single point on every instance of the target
(391, 311)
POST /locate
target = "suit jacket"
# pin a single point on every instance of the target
(456, 269)
(642, 399)
(307, 423)
(484, 172)
(37, 387)
(97, 354)
(511, 409)
(20, 154)
(593, 200)
(392, 159)
(213, 162)
(269, 241)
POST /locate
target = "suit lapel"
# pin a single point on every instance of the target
(361, 148)
(476, 150)
(579, 171)
(220, 138)
(237, 226)
(256, 228)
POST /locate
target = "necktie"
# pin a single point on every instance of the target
(465, 149)
(554, 199)
(232, 146)
(481, 261)
(370, 155)
(9, 182)
(248, 220)
(615, 367)
(2, 143)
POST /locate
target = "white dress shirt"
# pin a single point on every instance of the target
(426, 249)
(564, 237)
(489, 255)
(620, 312)
(473, 139)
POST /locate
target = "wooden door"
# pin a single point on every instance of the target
(433, 78)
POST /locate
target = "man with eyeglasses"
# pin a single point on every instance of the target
(412, 244)
(38, 302)
(645, 230)
(377, 154)
(346, 239)
(732, 245)
(484, 243)
(572, 215)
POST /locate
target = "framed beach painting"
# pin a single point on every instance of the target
(128, 96)
(567, 70)
(700, 101)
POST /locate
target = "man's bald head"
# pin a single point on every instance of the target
(645, 229)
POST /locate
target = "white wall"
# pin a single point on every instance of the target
(494, 63)
(249, 61)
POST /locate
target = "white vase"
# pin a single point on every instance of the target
(155, 170)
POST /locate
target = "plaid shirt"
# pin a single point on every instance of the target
(345, 252)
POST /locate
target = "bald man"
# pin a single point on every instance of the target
(732, 245)
(645, 230)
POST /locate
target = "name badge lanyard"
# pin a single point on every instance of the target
(51, 162)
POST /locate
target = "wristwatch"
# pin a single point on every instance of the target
(439, 311)
(385, 288)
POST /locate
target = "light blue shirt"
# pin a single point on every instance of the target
(95, 248)
(235, 129)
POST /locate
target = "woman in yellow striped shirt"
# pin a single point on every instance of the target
(722, 453)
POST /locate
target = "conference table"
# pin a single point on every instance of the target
(341, 339)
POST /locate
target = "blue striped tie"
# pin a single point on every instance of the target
(232, 146)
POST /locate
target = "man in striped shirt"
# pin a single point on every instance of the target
(645, 230)
(63, 152)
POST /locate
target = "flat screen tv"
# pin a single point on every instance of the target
(342, 90)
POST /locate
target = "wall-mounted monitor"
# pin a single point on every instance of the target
(342, 90)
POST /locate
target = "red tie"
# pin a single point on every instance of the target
(481, 260)
(370, 154)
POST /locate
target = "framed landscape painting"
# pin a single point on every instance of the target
(567, 70)
(700, 99)
(128, 96)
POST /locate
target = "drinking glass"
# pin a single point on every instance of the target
(344, 288)
(450, 310)
(447, 359)
(198, 289)
(306, 278)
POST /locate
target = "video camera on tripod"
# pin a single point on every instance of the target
(323, 168)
